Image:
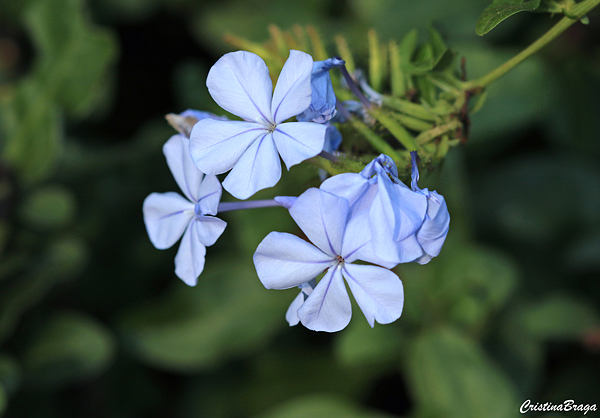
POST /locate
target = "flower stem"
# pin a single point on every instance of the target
(250, 204)
(576, 12)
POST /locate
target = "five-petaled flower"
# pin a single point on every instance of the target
(283, 261)
(239, 82)
(169, 215)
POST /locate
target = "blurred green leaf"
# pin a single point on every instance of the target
(63, 257)
(559, 317)
(320, 406)
(190, 329)
(74, 55)
(34, 131)
(463, 286)
(361, 344)
(497, 12)
(3, 400)
(49, 207)
(71, 347)
(10, 373)
(451, 376)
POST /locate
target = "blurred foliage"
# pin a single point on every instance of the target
(93, 321)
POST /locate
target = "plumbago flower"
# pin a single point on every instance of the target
(168, 216)
(405, 224)
(433, 232)
(323, 100)
(239, 82)
(338, 239)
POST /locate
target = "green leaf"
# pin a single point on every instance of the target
(3, 400)
(361, 344)
(73, 55)
(451, 376)
(34, 131)
(319, 406)
(10, 373)
(497, 12)
(229, 313)
(49, 207)
(70, 348)
(559, 317)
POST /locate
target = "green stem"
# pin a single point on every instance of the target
(577, 12)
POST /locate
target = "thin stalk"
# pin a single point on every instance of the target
(248, 204)
(577, 12)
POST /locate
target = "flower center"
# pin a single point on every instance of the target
(271, 128)
(339, 259)
(197, 210)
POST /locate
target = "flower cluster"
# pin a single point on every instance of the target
(369, 216)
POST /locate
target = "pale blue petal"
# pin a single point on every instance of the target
(292, 92)
(404, 209)
(283, 260)
(322, 216)
(189, 261)
(299, 141)
(380, 165)
(323, 100)
(385, 248)
(291, 316)
(239, 82)
(433, 233)
(216, 146)
(357, 238)
(328, 307)
(209, 195)
(353, 187)
(257, 169)
(186, 174)
(378, 292)
(166, 216)
(414, 172)
(208, 229)
(333, 138)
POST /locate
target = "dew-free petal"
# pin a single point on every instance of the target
(166, 216)
(356, 238)
(328, 307)
(239, 82)
(322, 217)
(283, 260)
(299, 141)
(378, 292)
(209, 195)
(292, 92)
(185, 172)
(257, 169)
(291, 316)
(189, 261)
(350, 186)
(434, 230)
(208, 229)
(216, 146)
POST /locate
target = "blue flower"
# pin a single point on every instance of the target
(433, 232)
(405, 224)
(322, 105)
(239, 82)
(284, 261)
(168, 216)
